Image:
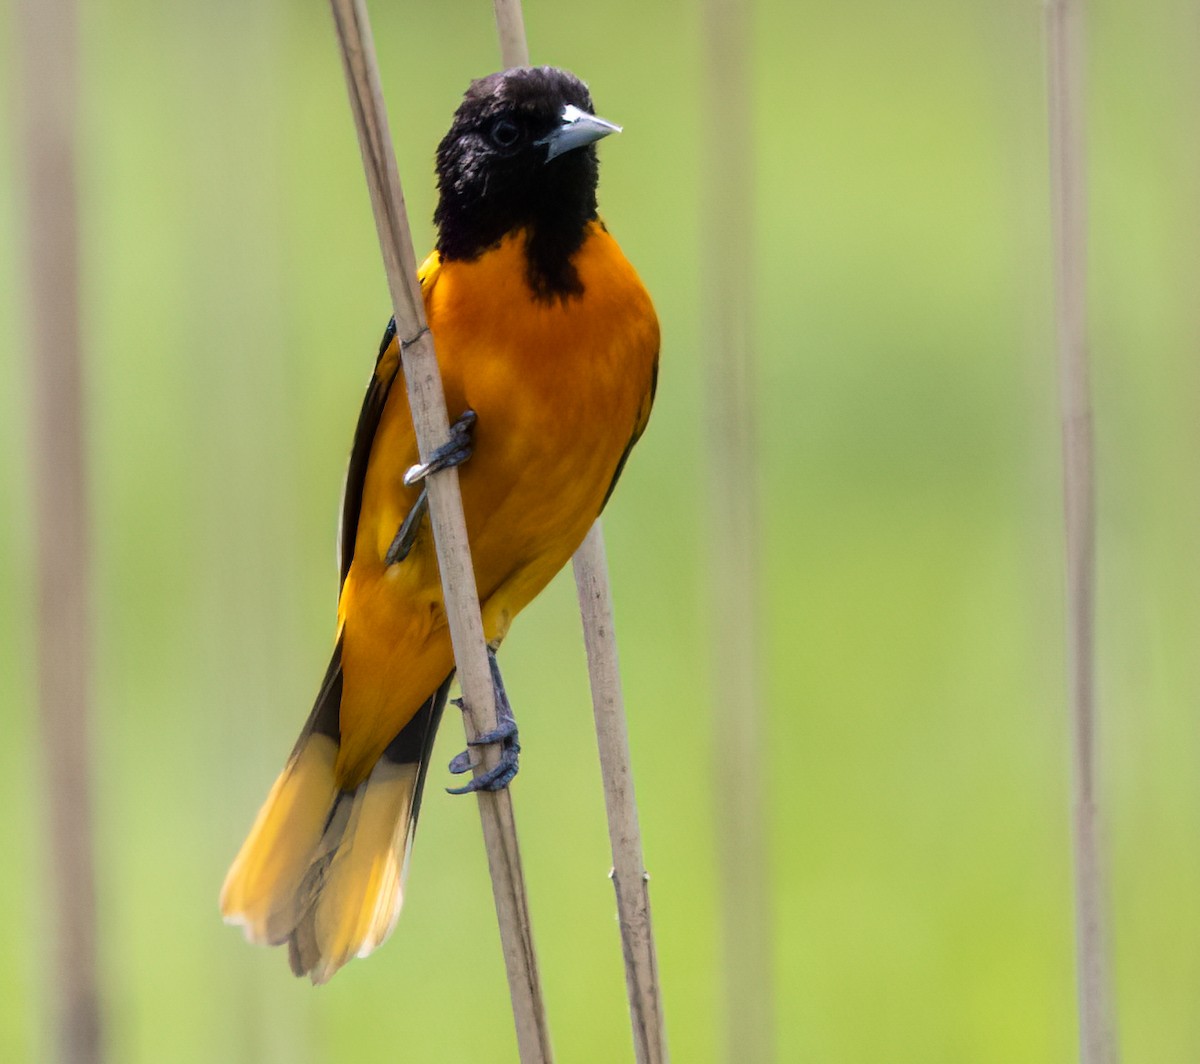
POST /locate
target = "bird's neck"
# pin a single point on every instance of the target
(552, 238)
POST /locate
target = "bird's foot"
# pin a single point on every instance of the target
(501, 774)
(456, 450)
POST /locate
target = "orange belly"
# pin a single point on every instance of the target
(560, 389)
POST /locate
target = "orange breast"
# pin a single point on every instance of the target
(560, 388)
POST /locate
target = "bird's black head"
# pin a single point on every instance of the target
(521, 154)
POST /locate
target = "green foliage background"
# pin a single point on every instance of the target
(912, 570)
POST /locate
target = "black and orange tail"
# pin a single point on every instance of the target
(323, 869)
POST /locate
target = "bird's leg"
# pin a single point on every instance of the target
(505, 733)
(454, 451)
(407, 535)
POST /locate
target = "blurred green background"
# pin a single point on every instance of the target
(917, 765)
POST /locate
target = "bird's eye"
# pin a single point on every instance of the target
(505, 133)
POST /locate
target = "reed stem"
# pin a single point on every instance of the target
(428, 405)
(1068, 178)
(735, 535)
(50, 100)
(630, 880)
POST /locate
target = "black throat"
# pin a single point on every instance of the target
(553, 209)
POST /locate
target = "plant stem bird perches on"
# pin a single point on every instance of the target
(428, 408)
(630, 880)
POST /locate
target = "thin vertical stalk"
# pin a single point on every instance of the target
(50, 98)
(510, 26)
(630, 879)
(428, 406)
(728, 197)
(1068, 170)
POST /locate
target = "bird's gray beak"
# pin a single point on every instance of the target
(578, 129)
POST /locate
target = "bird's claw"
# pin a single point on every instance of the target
(495, 778)
(501, 774)
(506, 730)
(456, 450)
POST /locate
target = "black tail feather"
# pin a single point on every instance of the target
(414, 744)
(325, 718)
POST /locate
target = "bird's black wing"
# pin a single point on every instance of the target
(364, 436)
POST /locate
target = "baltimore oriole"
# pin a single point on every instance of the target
(548, 348)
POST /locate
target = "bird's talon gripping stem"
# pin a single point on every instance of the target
(507, 729)
(505, 733)
(455, 451)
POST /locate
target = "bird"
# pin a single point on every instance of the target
(548, 346)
